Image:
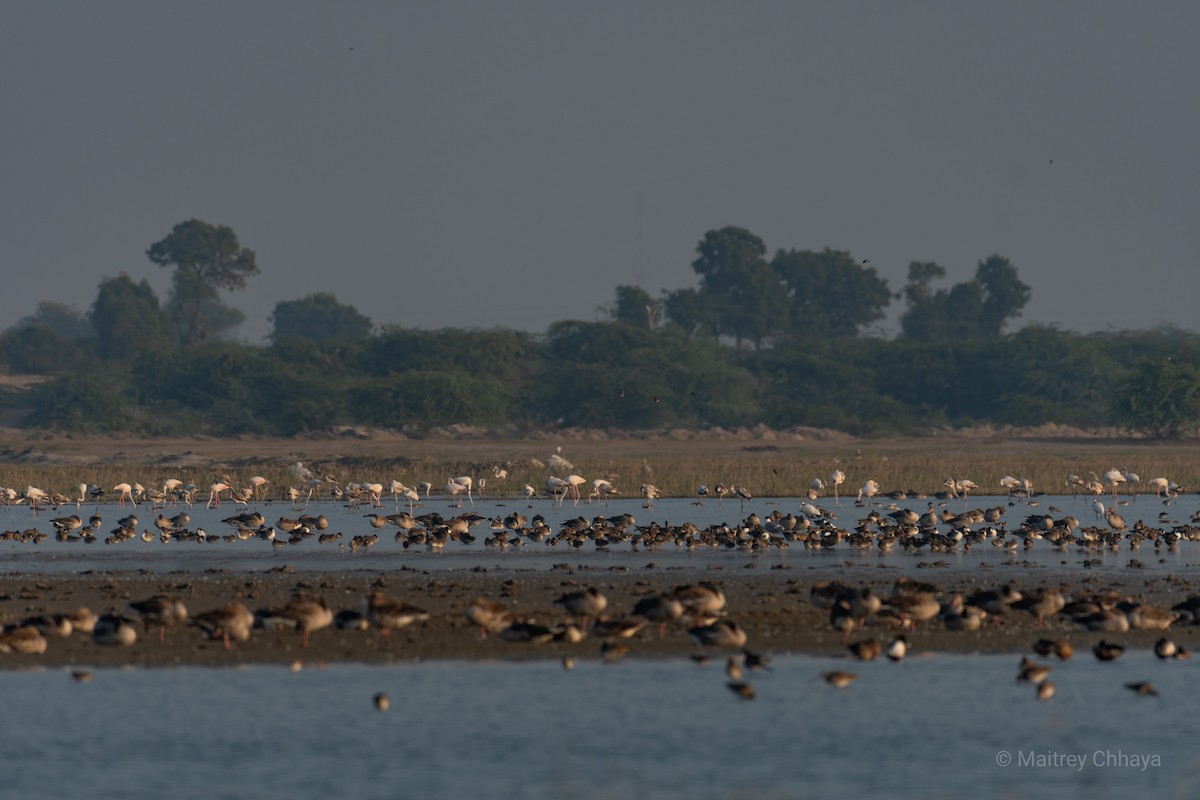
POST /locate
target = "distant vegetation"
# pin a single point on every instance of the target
(787, 340)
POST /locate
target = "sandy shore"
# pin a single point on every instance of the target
(772, 605)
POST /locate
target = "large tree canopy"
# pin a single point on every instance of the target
(975, 309)
(318, 317)
(207, 259)
(828, 293)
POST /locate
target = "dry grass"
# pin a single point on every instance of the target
(764, 467)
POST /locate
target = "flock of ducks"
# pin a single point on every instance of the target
(304, 613)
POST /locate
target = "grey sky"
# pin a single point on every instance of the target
(501, 163)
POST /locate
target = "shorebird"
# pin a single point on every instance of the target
(839, 679)
(1107, 651)
(897, 649)
(1045, 690)
(743, 691)
(1143, 688)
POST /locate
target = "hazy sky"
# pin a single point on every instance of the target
(474, 164)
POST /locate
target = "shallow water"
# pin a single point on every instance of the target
(933, 726)
(53, 556)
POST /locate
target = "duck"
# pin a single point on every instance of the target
(161, 610)
(842, 619)
(1042, 604)
(1165, 648)
(1045, 690)
(392, 613)
(897, 649)
(230, 622)
(586, 603)
(1142, 688)
(24, 639)
(490, 615)
(114, 629)
(526, 633)
(660, 608)
(1107, 651)
(1031, 672)
(1059, 648)
(866, 649)
(703, 598)
(610, 628)
(308, 613)
(722, 633)
(82, 619)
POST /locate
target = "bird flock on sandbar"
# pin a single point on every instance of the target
(880, 522)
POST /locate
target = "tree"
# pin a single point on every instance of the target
(207, 259)
(1004, 294)
(1161, 398)
(829, 292)
(318, 317)
(732, 266)
(127, 319)
(635, 306)
(65, 320)
(975, 309)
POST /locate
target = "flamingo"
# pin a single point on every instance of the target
(868, 490)
(1114, 477)
(454, 489)
(465, 482)
(1076, 483)
(650, 492)
(721, 490)
(1132, 479)
(214, 495)
(573, 484)
(601, 489)
(742, 494)
(837, 478)
(530, 493)
(557, 488)
(126, 491)
(259, 483)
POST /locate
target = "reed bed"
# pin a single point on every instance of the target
(676, 468)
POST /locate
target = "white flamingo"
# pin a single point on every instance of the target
(837, 478)
(126, 491)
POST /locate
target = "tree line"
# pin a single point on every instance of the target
(786, 341)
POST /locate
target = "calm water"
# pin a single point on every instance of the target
(53, 556)
(933, 726)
